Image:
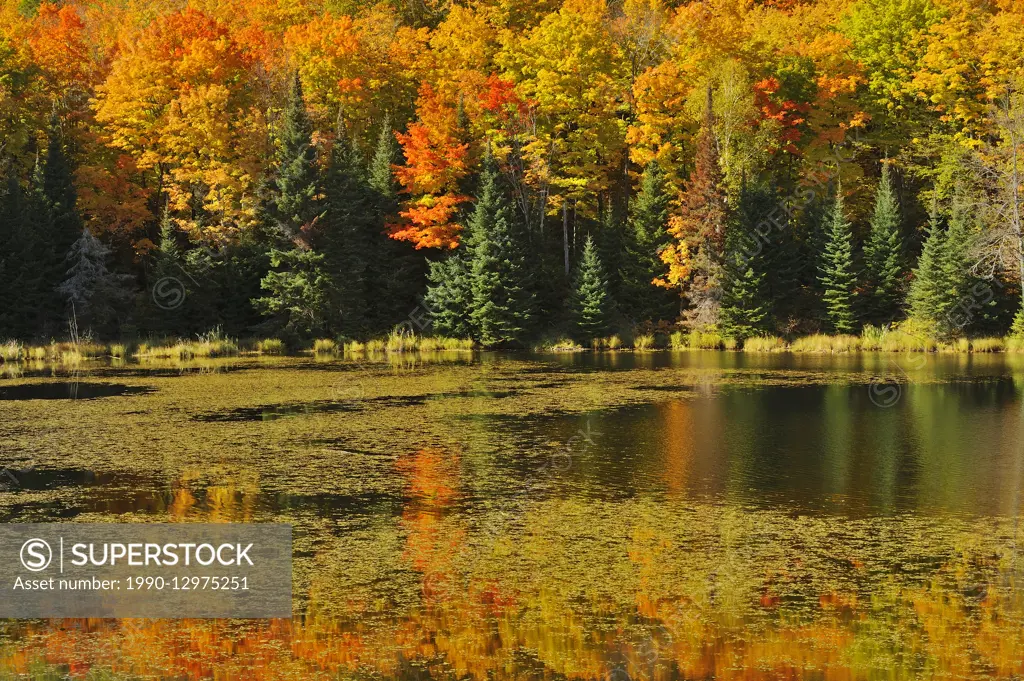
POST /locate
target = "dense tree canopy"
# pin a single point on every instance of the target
(639, 126)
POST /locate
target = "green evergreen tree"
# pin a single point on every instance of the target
(397, 271)
(956, 312)
(590, 305)
(883, 253)
(503, 303)
(300, 296)
(449, 295)
(645, 235)
(347, 232)
(836, 271)
(746, 294)
(295, 182)
(926, 287)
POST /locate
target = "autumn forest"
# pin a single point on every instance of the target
(511, 171)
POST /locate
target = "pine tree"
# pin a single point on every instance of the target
(746, 294)
(93, 293)
(644, 237)
(836, 271)
(294, 189)
(503, 304)
(883, 253)
(590, 307)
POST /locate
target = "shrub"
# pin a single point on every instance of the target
(1014, 344)
(987, 345)
(614, 342)
(354, 347)
(118, 351)
(764, 344)
(730, 343)
(270, 346)
(324, 346)
(644, 342)
(376, 345)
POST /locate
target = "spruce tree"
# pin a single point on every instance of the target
(93, 293)
(644, 236)
(926, 287)
(883, 253)
(955, 269)
(396, 271)
(449, 295)
(300, 296)
(347, 232)
(295, 181)
(746, 294)
(590, 307)
(836, 271)
(503, 303)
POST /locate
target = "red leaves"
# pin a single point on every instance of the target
(789, 114)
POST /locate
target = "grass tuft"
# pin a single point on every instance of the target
(325, 346)
(822, 344)
(764, 344)
(643, 342)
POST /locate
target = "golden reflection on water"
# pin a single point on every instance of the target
(682, 562)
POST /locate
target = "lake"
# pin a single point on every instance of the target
(516, 516)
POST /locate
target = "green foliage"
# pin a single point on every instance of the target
(645, 234)
(746, 298)
(836, 271)
(883, 253)
(503, 304)
(93, 293)
(590, 306)
(295, 181)
(300, 295)
(449, 295)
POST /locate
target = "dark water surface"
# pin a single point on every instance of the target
(655, 516)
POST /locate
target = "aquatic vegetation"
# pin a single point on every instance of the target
(705, 340)
(270, 346)
(325, 346)
(11, 351)
(987, 345)
(765, 344)
(824, 344)
(560, 345)
(644, 342)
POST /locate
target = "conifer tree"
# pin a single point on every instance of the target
(300, 296)
(883, 253)
(955, 271)
(92, 292)
(449, 295)
(926, 289)
(836, 271)
(295, 180)
(644, 237)
(396, 271)
(503, 303)
(746, 296)
(347, 232)
(590, 308)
